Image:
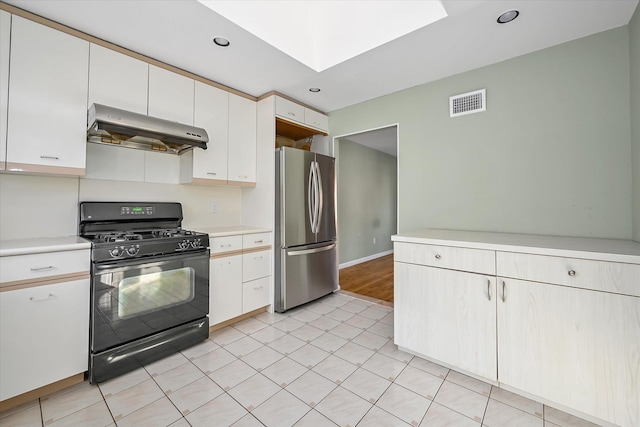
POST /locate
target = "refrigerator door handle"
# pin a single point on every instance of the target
(311, 199)
(311, 251)
(320, 198)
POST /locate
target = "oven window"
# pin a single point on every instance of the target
(154, 291)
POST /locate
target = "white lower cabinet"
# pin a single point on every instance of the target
(240, 275)
(448, 316)
(576, 347)
(225, 289)
(44, 333)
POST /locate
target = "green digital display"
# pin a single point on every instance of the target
(136, 209)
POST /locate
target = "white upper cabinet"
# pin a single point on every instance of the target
(242, 141)
(5, 42)
(117, 80)
(170, 96)
(295, 112)
(211, 113)
(47, 110)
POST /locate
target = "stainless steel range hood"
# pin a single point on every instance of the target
(109, 125)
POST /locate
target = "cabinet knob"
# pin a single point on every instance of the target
(572, 273)
(438, 256)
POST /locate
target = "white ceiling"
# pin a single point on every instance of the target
(179, 32)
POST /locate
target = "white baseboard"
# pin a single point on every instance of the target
(365, 259)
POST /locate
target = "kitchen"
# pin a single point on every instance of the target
(586, 188)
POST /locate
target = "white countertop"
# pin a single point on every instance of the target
(233, 230)
(42, 244)
(576, 247)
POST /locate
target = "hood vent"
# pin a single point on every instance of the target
(108, 125)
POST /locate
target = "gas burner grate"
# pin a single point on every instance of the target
(117, 237)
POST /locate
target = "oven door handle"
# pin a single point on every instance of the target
(147, 262)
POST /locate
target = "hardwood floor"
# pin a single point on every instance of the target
(373, 278)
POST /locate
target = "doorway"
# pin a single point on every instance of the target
(367, 193)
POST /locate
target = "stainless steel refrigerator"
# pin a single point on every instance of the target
(306, 264)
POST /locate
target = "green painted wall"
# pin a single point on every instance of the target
(551, 155)
(366, 201)
(634, 56)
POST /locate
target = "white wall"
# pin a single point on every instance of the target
(551, 155)
(634, 50)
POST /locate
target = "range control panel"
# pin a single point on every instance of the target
(136, 210)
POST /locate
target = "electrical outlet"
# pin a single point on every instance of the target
(214, 207)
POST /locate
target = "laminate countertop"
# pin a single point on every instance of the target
(234, 230)
(42, 245)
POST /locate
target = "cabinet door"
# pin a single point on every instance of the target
(289, 110)
(242, 141)
(255, 294)
(576, 347)
(316, 120)
(212, 114)
(447, 315)
(47, 114)
(44, 332)
(170, 96)
(5, 42)
(117, 80)
(225, 291)
(256, 265)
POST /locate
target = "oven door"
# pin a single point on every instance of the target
(136, 298)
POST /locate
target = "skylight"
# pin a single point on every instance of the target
(321, 34)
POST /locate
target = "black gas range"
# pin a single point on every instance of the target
(149, 284)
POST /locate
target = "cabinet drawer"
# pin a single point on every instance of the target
(255, 294)
(579, 273)
(463, 259)
(221, 245)
(257, 240)
(50, 266)
(256, 265)
(289, 110)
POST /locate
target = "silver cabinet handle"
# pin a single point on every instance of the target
(211, 173)
(572, 273)
(258, 288)
(438, 256)
(49, 267)
(503, 291)
(489, 289)
(50, 157)
(41, 298)
(257, 241)
(291, 114)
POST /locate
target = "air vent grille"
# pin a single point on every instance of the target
(468, 103)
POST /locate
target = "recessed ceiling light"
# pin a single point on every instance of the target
(508, 16)
(314, 89)
(221, 41)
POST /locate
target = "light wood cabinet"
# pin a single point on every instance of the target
(44, 319)
(5, 43)
(576, 347)
(242, 141)
(47, 110)
(448, 316)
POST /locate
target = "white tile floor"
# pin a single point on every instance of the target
(332, 362)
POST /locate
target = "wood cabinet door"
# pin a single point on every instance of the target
(242, 141)
(447, 315)
(577, 347)
(47, 110)
(212, 113)
(225, 288)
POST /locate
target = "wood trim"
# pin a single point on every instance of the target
(58, 170)
(92, 39)
(40, 392)
(207, 181)
(225, 254)
(256, 249)
(295, 130)
(241, 183)
(42, 281)
(226, 323)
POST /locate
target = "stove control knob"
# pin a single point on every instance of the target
(196, 243)
(183, 245)
(133, 250)
(116, 252)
